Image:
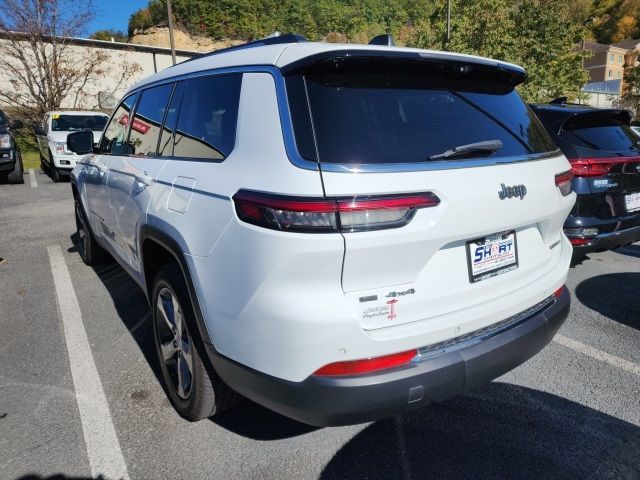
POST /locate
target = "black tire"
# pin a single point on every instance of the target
(88, 248)
(43, 164)
(54, 173)
(16, 176)
(204, 394)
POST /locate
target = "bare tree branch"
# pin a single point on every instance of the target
(45, 66)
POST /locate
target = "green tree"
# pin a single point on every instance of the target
(140, 20)
(107, 35)
(547, 48)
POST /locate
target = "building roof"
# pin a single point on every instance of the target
(628, 44)
(601, 47)
(282, 55)
(89, 42)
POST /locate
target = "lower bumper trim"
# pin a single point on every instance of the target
(326, 401)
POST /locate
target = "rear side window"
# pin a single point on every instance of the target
(147, 121)
(208, 117)
(114, 138)
(405, 114)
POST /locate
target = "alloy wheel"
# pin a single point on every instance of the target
(175, 343)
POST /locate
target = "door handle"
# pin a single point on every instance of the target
(145, 179)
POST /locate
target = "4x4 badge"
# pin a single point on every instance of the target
(512, 192)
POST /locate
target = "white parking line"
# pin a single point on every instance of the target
(598, 354)
(103, 448)
(32, 176)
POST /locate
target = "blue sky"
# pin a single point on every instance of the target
(114, 14)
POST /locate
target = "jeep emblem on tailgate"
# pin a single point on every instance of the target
(511, 192)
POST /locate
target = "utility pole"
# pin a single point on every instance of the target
(448, 38)
(171, 41)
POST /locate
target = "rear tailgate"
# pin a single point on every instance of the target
(424, 266)
(377, 124)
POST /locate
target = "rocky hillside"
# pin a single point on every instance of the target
(158, 36)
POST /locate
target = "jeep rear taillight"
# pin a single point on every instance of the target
(563, 182)
(322, 215)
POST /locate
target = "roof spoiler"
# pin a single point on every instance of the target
(449, 64)
(595, 118)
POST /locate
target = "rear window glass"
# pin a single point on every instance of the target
(400, 117)
(70, 123)
(610, 138)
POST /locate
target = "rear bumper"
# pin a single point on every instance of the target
(608, 241)
(453, 370)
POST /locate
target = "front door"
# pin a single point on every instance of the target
(95, 172)
(132, 177)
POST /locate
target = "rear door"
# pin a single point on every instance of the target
(379, 129)
(608, 160)
(132, 177)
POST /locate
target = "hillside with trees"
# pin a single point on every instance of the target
(538, 34)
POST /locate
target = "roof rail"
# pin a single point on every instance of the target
(272, 39)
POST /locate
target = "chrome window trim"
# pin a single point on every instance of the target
(291, 149)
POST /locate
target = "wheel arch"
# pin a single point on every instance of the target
(158, 248)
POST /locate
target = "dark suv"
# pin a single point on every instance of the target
(10, 158)
(605, 156)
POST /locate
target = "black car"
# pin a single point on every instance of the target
(10, 158)
(605, 156)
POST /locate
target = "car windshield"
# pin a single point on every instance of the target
(70, 123)
(405, 115)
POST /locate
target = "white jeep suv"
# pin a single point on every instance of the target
(336, 232)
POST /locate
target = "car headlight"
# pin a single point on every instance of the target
(60, 147)
(5, 141)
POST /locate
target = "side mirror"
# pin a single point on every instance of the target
(17, 124)
(37, 129)
(80, 142)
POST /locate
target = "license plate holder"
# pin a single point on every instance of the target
(632, 202)
(492, 255)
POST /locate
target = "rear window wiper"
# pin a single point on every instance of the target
(485, 147)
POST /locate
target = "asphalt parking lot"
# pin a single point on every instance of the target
(573, 411)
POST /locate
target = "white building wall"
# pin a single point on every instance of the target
(123, 66)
